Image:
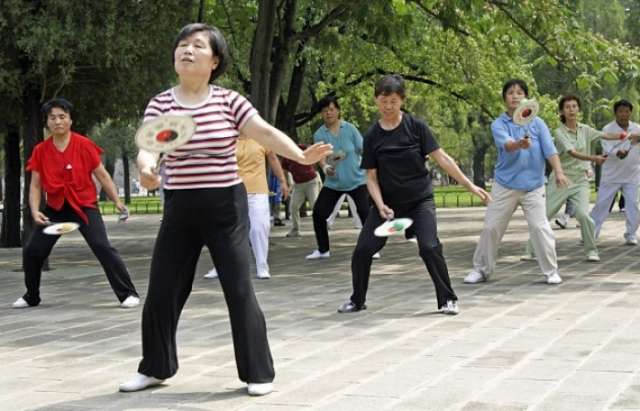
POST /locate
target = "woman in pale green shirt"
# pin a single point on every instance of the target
(573, 141)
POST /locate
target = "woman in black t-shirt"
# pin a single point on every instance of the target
(394, 155)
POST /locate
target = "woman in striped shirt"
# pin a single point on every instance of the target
(206, 204)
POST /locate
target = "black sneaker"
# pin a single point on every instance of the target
(350, 307)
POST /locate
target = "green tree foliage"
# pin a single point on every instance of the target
(107, 57)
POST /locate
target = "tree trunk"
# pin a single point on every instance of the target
(33, 126)
(10, 236)
(127, 181)
(201, 12)
(260, 63)
(280, 58)
(478, 165)
(286, 119)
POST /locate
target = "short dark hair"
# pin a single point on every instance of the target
(389, 84)
(515, 82)
(216, 41)
(565, 99)
(57, 102)
(622, 103)
(326, 101)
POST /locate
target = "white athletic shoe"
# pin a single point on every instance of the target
(450, 308)
(475, 277)
(554, 278)
(563, 221)
(131, 302)
(316, 255)
(528, 257)
(256, 389)
(20, 303)
(263, 274)
(211, 274)
(593, 257)
(631, 241)
(377, 256)
(139, 382)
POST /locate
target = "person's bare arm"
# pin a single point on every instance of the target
(35, 196)
(275, 165)
(445, 162)
(108, 186)
(561, 180)
(376, 194)
(598, 159)
(275, 140)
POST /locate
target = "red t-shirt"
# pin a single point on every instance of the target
(66, 175)
(301, 173)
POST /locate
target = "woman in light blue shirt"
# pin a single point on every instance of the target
(519, 180)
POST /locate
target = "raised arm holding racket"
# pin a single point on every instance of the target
(205, 205)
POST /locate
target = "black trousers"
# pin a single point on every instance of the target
(219, 219)
(40, 245)
(424, 225)
(325, 204)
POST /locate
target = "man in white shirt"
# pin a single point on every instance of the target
(621, 171)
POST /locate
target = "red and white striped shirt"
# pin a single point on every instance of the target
(208, 160)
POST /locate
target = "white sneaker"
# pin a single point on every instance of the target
(316, 255)
(139, 382)
(631, 241)
(131, 302)
(593, 257)
(563, 221)
(263, 275)
(256, 389)
(211, 274)
(20, 303)
(554, 278)
(475, 277)
(377, 256)
(528, 257)
(450, 308)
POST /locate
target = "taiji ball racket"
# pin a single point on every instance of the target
(336, 157)
(165, 133)
(124, 215)
(60, 228)
(393, 227)
(525, 113)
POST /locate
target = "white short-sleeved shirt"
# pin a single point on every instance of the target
(208, 160)
(615, 170)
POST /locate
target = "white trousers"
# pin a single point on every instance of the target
(259, 229)
(352, 206)
(600, 211)
(499, 212)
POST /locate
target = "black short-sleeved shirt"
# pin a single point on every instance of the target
(399, 157)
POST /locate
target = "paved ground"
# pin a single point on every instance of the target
(517, 344)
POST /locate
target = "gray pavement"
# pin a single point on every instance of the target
(517, 343)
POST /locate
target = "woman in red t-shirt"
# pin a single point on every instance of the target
(62, 166)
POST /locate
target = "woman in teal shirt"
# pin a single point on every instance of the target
(342, 171)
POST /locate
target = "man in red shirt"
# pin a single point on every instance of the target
(307, 186)
(62, 166)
